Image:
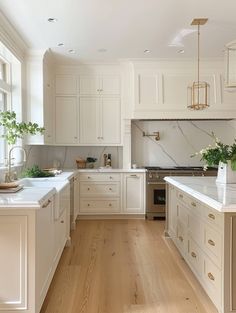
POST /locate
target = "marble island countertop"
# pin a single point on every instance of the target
(221, 197)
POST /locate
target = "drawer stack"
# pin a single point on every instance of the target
(99, 193)
(199, 237)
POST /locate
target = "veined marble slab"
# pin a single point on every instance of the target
(221, 197)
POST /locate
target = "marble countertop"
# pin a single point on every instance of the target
(28, 197)
(221, 197)
(112, 170)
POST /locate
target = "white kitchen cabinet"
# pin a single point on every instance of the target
(13, 263)
(66, 129)
(133, 193)
(99, 85)
(66, 85)
(40, 97)
(100, 120)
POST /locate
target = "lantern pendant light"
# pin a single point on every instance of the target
(198, 92)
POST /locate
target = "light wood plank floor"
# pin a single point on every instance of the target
(123, 266)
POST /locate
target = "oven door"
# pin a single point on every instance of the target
(156, 198)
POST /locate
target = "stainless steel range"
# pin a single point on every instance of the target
(156, 186)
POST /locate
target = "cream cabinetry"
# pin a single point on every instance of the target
(99, 85)
(205, 238)
(161, 91)
(66, 128)
(99, 193)
(100, 120)
(112, 193)
(133, 193)
(88, 110)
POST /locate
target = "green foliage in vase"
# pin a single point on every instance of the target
(217, 153)
(14, 130)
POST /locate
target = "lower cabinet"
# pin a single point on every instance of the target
(133, 193)
(31, 241)
(206, 240)
(111, 193)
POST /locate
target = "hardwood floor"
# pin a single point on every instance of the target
(123, 266)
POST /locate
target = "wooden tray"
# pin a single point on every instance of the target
(8, 185)
(12, 189)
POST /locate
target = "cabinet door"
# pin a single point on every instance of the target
(66, 85)
(48, 112)
(66, 120)
(110, 85)
(110, 121)
(133, 193)
(89, 120)
(13, 263)
(172, 211)
(89, 85)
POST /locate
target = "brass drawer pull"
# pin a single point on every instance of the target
(110, 188)
(88, 188)
(211, 276)
(111, 177)
(212, 216)
(211, 242)
(89, 177)
(193, 204)
(193, 254)
(134, 175)
(181, 196)
(62, 222)
(88, 204)
(110, 204)
(46, 204)
(181, 238)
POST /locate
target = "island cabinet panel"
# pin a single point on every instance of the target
(13, 263)
(206, 238)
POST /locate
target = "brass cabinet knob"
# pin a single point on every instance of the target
(211, 242)
(193, 254)
(210, 276)
(212, 216)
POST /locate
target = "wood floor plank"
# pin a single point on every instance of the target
(123, 266)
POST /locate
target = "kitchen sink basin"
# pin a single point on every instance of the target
(43, 183)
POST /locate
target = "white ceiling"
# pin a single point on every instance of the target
(124, 27)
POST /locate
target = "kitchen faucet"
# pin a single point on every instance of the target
(8, 175)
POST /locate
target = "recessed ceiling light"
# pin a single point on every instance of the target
(60, 44)
(52, 19)
(181, 51)
(146, 51)
(71, 51)
(102, 50)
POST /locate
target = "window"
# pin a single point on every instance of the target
(5, 96)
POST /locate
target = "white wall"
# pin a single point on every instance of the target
(178, 141)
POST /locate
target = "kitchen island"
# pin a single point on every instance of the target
(201, 221)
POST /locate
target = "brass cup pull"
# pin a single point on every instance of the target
(193, 204)
(89, 177)
(110, 204)
(62, 222)
(193, 254)
(181, 238)
(210, 276)
(110, 188)
(111, 177)
(88, 204)
(212, 216)
(181, 196)
(211, 242)
(88, 188)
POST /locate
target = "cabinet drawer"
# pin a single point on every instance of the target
(100, 189)
(192, 204)
(212, 281)
(195, 256)
(213, 244)
(99, 177)
(213, 217)
(99, 206)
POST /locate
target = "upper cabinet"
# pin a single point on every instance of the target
(230, 62)
(99, 85)
(40, 96)
(87, 109)
(162, 93)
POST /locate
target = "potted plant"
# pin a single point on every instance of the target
(14, 130)
(223, 156)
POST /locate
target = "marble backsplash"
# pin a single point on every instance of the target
(178, 141)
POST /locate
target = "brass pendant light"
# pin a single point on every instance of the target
(198, 92)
